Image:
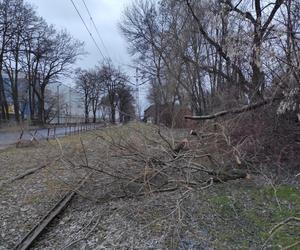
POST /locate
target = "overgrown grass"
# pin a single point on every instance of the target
(257, 211)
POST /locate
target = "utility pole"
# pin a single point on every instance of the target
(137, 94)
(70, 105)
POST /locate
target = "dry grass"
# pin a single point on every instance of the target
(148, 197)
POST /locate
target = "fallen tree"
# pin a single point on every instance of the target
(233, 111)
(153, 161)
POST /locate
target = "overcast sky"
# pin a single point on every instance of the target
(106, 15)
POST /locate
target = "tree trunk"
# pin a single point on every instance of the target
(113, 114)
(3, 100)
(13, 77)
(86, 114)
(31, 96)
(16, 105)
(257, 74)
(41, 106)
(30, 101)
(94, 116)
(15, 95)
(86, 108)
(121, 117)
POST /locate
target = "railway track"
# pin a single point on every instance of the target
(28, 240)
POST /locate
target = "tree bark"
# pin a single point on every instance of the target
(94, 116)
(3, 100)
(113, 114)
(86, 111)
(233, 111)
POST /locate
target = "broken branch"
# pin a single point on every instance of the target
(233, 111)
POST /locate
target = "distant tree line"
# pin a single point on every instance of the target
(106, 90)
(215, 55)
(36, 50)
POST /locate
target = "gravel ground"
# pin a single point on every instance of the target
(101, 224)
(224, 217)
(112, 213)
(24, 201)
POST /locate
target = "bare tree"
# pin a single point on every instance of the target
(97, 91)
(24, 17)
(146, 30)
(113, 80)
(85, 84)
(36, 46)
(30, 47)
(125, 104)
(261, 29)
(211, 54)
(62, 52)
(5, 35)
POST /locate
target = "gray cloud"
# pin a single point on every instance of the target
(106, 14)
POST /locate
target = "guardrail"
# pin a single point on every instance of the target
(70, 129)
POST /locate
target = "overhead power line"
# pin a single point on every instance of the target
(120, 61)
(100, 38)
(88, 30)
(95, 27)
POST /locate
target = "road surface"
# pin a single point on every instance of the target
(9, 138)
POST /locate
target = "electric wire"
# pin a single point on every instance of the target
(95, 27)
(100, 38)
(88, 30)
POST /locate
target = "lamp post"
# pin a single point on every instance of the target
(58, 105)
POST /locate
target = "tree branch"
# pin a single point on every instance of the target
(247, 14)
(233, 111)
(272, 14)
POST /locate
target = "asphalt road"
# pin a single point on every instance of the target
(9, 138)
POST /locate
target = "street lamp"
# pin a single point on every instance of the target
(58, 105)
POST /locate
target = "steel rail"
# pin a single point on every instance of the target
(28, 240)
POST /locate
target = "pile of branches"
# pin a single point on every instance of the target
(137, 161)
(262, 135)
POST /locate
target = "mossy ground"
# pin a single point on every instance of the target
(249, 213)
